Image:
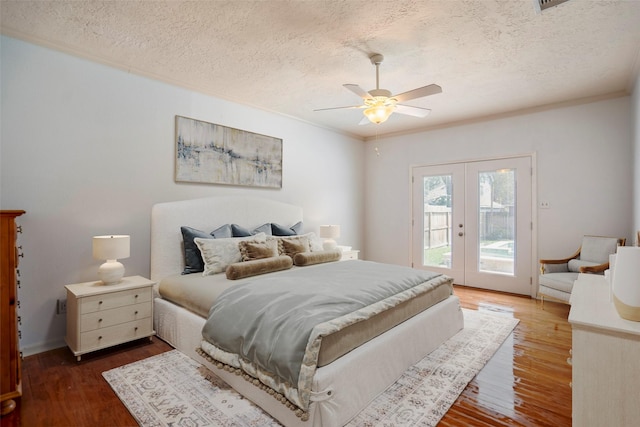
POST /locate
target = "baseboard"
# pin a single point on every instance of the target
(30, 350)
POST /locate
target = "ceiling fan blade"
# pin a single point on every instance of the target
(412, 111)
(340, 108)
(358, 91)
(364, 121)
(418, 93)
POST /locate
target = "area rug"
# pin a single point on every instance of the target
(171, 389)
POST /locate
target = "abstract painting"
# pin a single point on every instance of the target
(215, 154)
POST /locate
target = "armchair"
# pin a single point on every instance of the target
(557, 275)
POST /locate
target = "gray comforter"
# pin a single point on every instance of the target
(271, 327)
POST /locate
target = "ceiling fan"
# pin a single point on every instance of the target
(379, 104)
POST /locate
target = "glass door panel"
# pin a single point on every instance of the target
(437, 221)
(496, 221)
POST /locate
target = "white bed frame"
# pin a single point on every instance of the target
(342, 388)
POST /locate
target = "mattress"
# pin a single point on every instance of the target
(197, 294)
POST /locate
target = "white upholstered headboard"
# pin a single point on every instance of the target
(207, 214)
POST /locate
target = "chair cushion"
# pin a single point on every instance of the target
(597, 249)
(559, 281)
(553, 293)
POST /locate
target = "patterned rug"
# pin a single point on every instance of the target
(171, 389)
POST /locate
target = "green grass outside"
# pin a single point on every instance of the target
(435, 256)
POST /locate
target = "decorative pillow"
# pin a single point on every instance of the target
(315, 242)
(309, 258)
(240, 270)
(279, 230)
(192, 258)
(223, 232)
(219, 253)
(293, 245)
(257, 250)
(238, 231)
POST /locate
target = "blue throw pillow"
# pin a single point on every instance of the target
(279, 230)
(223, 232)
(193, 262)
(239, 231)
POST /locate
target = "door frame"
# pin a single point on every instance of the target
(534, 208)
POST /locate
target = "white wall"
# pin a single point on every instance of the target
(584, 170)
(87, 150)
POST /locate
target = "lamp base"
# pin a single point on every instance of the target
(111, 272)
(329, 244)
(626, 311)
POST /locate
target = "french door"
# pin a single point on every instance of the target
(472, 221)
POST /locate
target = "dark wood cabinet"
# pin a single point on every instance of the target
(10, 376)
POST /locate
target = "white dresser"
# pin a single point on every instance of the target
(100, 316)
(605, 357)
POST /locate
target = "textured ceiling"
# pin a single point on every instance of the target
(490, 56)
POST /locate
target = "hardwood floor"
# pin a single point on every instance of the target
(525, 384)
(58, 391)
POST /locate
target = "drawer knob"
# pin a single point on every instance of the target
(99, 320)
(136, 296)
(100, 337)
(135, 329)
(136, 312)
(99, 302)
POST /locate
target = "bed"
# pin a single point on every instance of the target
(341, 385)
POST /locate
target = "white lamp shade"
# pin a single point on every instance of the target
(329, 231)
(111, 247)
(626, 283)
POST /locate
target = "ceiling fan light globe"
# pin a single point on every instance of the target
(379, 113)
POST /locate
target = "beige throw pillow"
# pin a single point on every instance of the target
(217, 254)
(257, 250)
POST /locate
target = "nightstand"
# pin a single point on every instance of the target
(100, 316)
(350, 254)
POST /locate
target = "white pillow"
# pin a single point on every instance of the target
(314, 241)
(218, 254)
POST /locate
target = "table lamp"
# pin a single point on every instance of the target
(329, 233)
(111, 248)
(626, 282)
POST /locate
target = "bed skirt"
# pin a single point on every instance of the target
(342, 388)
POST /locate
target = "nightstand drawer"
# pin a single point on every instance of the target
(347, 255)
(101, 302)
(106, 337)
(106, 318)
